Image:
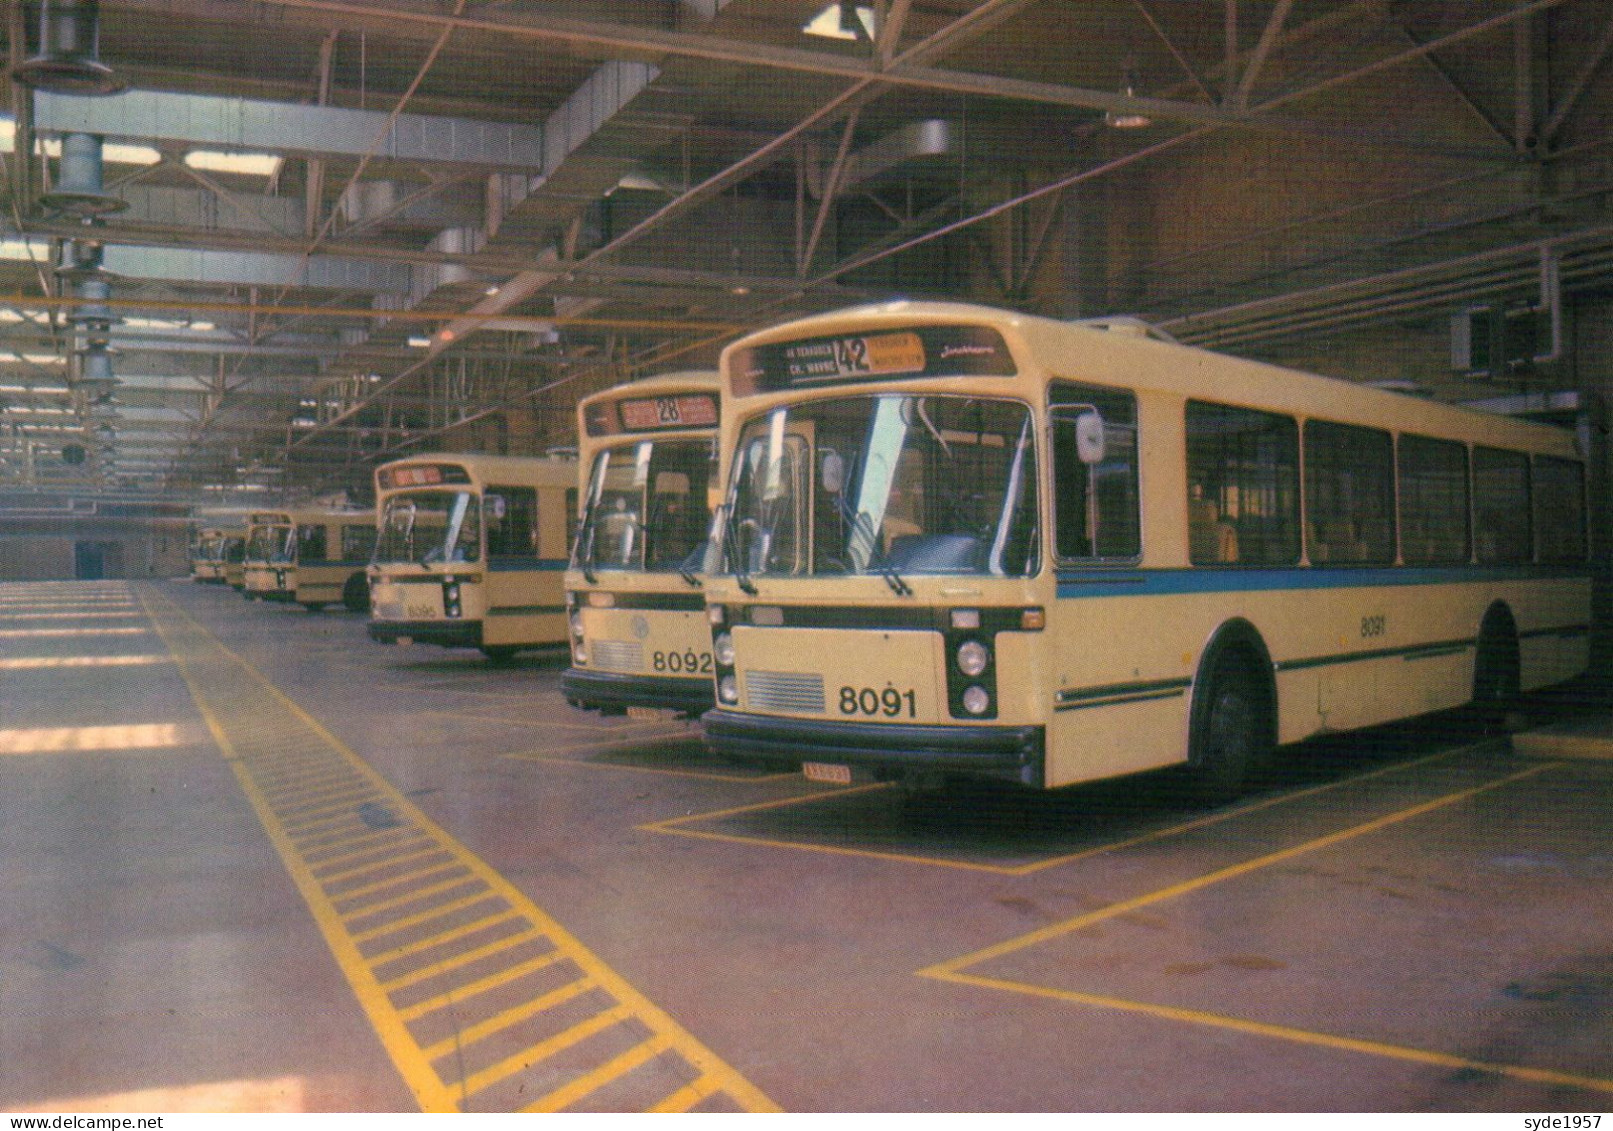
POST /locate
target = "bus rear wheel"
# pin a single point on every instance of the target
(1496, 679)
(1230, 740)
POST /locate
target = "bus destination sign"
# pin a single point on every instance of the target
(653, 414)
(924, 351)
(421, 475)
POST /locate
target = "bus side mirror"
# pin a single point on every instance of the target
(1089, 442)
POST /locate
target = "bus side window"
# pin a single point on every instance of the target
(514, 532)
(1245, 463)
(311, 543)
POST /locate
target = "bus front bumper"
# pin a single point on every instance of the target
(1002, 753)
(614, 692)
(448, 633)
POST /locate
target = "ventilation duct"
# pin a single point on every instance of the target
(79, 188)
(69, 47)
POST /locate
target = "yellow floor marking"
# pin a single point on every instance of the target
(954, 969)
(500, 1022)
(410, 857)
(260, 732)
(1221, 875)
(562, 1098)
(673, 826)
(1287, 1033)
(481, 985)
(509, 1066)
(371, 860)
(448, 965)
(435, 911)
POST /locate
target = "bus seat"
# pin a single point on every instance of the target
(1210, 537)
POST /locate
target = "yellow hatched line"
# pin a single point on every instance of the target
(436, 911)
(369, 910)
(450, 870)
(414, 859)
(448, 965)
(367, 840)
(461, 994)
(510, 1017)
(521, 1061)
(562, 1098)
(348, 866)
(246, 713)
(457, 931)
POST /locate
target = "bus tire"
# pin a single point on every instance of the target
(356, 594)
(313, 606)
(1496, 670)
(1231, 734)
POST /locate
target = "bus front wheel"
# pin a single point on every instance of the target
(1231, 735)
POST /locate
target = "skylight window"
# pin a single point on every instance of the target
(827, 23)
(246, 164)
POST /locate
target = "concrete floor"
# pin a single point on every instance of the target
(250, 860)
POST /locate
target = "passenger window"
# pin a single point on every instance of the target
(1433, 501)
(1242, 486)
(1349, 494)
(1560, 510)
(1501, 511)
(512, 522)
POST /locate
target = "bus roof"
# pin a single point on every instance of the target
(1124, 353)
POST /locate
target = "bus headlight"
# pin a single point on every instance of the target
(976, 700)
(579, 651)
(723, 649)
(450, 598)
(576, 625)
(973, 658)
(728, 689)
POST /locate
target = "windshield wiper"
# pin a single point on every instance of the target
(859, 522)
(585, 542)
(731, 550)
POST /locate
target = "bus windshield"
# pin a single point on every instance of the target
(271, 544)
(888, 484)
(430, 526)
(648, 507)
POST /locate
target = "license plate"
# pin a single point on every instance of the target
(649, 713)
(828, 773)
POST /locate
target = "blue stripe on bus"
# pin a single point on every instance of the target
(1159, 582)
(520, 565)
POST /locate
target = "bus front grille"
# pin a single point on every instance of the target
(619, 655)
(785, 691)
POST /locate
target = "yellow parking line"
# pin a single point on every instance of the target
(263, 734)
(561, 1098)
(1288, 1033)
(955, 970)
(1054, 930)
(465, 958)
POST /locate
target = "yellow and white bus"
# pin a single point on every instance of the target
(634, 595)
(471, 551)
(217, 553)
(313, 556)
(959, 541)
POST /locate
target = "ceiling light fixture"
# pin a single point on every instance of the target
(1127, 118)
